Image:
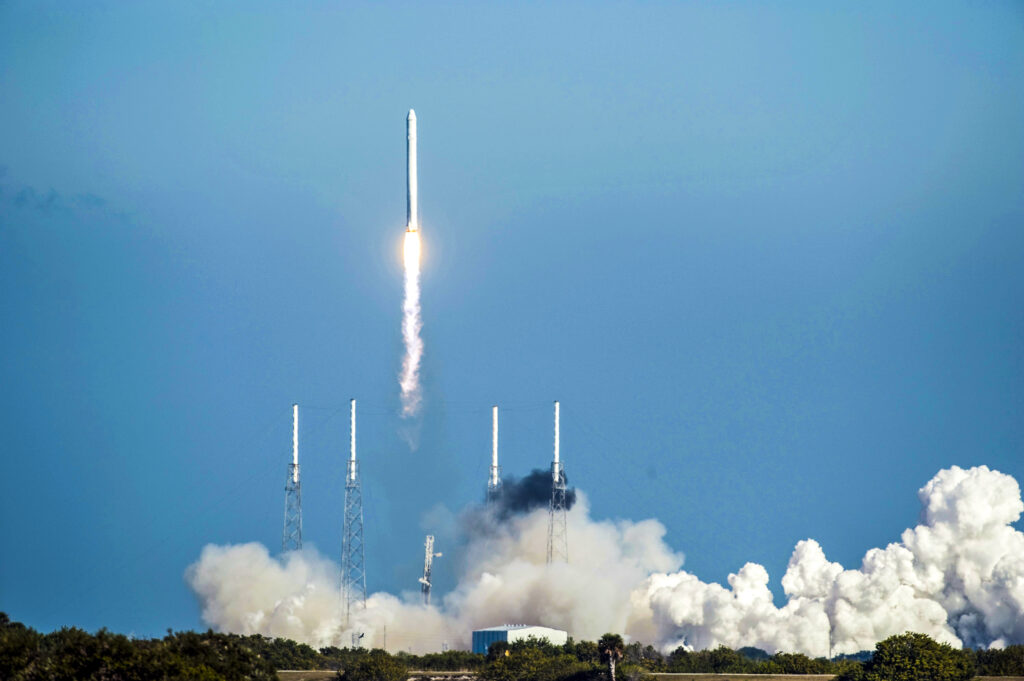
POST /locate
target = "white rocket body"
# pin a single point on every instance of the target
(411, 186)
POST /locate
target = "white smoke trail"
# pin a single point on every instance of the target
(409, 380)
(958, 577)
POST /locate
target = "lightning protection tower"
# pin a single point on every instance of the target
(558, 542)
(428, 566)
(353, 572)
(494, 481)
(291, 539)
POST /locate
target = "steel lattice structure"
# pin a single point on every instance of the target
(353, 571)
(428, 568)
(494, 488)
(291, 538)
(558, 539)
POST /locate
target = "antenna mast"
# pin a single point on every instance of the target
(558, 543)
(494, 481)
(353, 571)
(291, 538)
(428, 565)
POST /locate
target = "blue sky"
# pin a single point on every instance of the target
(770, 258)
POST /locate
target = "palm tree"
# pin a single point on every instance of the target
(610, 647)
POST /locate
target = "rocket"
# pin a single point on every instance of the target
(412, 191)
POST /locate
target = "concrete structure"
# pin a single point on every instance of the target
(483, 638)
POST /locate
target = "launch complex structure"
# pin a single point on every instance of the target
(291, 539)
(353, 558)
(558, 539)
(353, 554)
(353, 571)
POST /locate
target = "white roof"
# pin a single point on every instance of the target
(513, 627)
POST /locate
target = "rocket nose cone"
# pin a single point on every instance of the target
(412, 115)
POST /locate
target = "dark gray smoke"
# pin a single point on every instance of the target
(522, 495)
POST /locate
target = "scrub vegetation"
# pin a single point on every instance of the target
(75, 655)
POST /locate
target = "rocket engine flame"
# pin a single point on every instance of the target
(412, 323)
(409, 381)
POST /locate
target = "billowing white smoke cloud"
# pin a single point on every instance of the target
(958, 576)
(510, 581)
(243, 589)
(409, 380)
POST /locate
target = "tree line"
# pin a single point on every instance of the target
(75, 655)
(905, 657)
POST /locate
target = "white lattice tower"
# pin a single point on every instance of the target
(494, 479)
(558, 540)
(353, 571)
(291, 538)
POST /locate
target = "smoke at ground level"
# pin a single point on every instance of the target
(958, 576)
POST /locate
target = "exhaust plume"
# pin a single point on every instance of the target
(958, 576)
(409, 380)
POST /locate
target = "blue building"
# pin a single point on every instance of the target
(483, 638)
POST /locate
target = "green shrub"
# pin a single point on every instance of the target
(376, 666)
(917, 657)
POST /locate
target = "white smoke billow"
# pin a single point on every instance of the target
(409, 380)
(958, 577)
